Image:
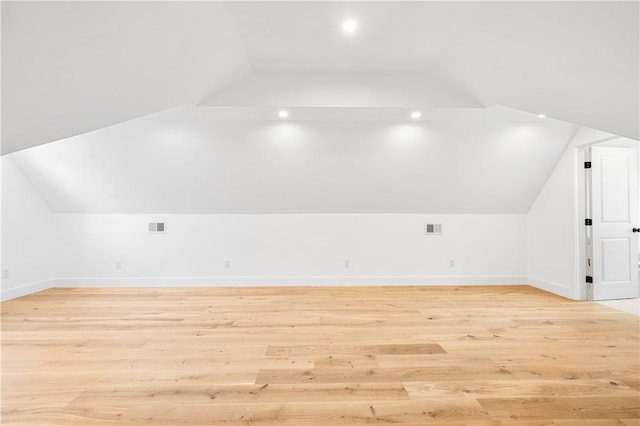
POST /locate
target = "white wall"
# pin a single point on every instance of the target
(26, 235)
(289, 249)
(556, 233)
(552, 231)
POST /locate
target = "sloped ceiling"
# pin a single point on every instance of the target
(148, 107)
(246, 160)
(575, 61)
(342, 90)
(73, 67)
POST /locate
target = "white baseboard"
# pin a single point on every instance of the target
(551, 287)
(257, 281)
(270, 281)
(23, 290)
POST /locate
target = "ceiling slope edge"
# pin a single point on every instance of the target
(340, 90)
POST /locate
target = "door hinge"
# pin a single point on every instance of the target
(588, 222)
(587, 164)
(589, 279)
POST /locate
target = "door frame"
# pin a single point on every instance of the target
(583, 198)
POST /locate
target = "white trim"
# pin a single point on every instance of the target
(578, 285)
(551, 287)
(580, 236)
(248, 281)
(269, 281)
(23, 290)
(607, 139)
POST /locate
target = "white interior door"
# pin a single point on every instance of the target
(614, 189)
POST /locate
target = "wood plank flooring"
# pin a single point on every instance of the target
(504, 355)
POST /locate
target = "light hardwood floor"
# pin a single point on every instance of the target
(507, 355)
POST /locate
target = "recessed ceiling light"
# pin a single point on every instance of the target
(416, 114)
(349, 26)
(283, 113)
(542, 116)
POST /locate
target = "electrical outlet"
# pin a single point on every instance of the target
(452, 263)
(5, 273)
(433, 229)
(118, 264)
(227, 264)
(347, 263)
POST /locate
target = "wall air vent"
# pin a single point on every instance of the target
(433, 229)
(157, 227)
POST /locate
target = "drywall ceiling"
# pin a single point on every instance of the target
(171, 106)
(575, 61)
(342, 90)
(318, 160)
(73, 67)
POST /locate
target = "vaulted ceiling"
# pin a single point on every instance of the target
(172, 107)
(73, 67)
